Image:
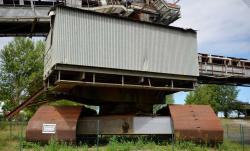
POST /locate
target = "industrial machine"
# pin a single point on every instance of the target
(123, 57)
(198, 123)
(159, 11)
(31, 17)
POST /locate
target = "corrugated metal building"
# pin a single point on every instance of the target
(86, 38)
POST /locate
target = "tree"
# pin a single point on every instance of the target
(21, 68)
(169, 99)
(220, 97)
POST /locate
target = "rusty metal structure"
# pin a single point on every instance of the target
(32, 18)
(50, 121)
(196, 122)
(127, 62)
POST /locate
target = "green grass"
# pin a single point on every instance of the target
(8, 143)
(16, 141)
(53, 145)
(142, 145)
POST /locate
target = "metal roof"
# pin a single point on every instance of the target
(128, 19)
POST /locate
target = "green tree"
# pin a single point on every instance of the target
(220, 97)
(169, 99)
(21, 68)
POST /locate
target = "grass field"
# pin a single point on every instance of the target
(17, 142)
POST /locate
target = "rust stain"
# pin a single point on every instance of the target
(65, 118)
(196, 123)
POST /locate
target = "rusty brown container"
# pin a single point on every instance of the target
(57, 121)
(196, 123)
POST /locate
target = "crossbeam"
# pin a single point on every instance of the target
(24, 21)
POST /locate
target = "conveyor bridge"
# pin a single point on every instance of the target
(223, 70)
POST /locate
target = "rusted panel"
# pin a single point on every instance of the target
(64, 117)
(196, 123)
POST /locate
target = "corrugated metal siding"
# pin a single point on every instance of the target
(48, 55)
(87, 39)
(50, 58)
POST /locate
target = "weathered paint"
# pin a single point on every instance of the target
(86, 38)
(196, 123)
(124, 125)
(64, 117)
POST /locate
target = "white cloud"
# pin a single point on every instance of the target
(4, 41)
(228, 48)
(223, 26)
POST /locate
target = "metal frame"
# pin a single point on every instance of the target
(22, 20)
(223, 70)
(130, 86)
(79, 68)
(74, 75)
(219, 66)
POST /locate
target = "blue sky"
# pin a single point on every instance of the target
(223, 28)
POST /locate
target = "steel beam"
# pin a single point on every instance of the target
(25, 103)
(24, 21)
